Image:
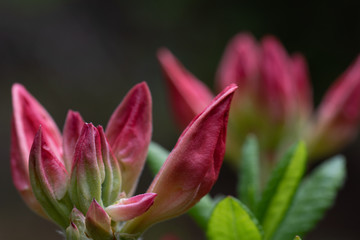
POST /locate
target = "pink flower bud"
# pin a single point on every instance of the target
(276, 91)
(338, 116)
(28, 115)
(189, 96)
(129, 208)
(239, 64)
(49, 180)
(72, 232)
(192, 166)
(72, 129)
(98, 223)
(88, 170)
(129, 133)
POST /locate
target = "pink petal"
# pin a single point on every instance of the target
(239, 64)
(129, 208)
(192, 166)
(129, 134)
(28, 115)
(98, 222)
(72, 130)
(188, 95)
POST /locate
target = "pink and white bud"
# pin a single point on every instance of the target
(49, 180)
(188, 95)
(27, 116)
(129, 133)
(72, 129)
(88, 171)
(111, 187)
(72, 232)
(239, 65)
(98, 223)
(128, 208)
(338, 116)
(192, 167)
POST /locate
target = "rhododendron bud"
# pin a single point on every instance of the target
(129, 208)
(49, 180)
(188, 95)
(27, 116)
(98, 223)
(129, 133)
(338, 116)
(88, 171)
(240, 65)
(72, 232)
(192, 166)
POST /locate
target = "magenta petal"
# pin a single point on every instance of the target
(28, 115)
(188, 95)
(129, 133)
(129, 208)
(71, 133)
(239, 64)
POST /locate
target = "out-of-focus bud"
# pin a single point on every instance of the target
(28, 115)
(72, 129)
(189, 96)
(129, 133)
(78, 219)
(192, 166)
(240, 65)
(338, 116)
(49, 180)
(98, 223)
(88, 171)
(129, 208)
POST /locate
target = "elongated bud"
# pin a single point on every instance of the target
(49, 180)
(129, 133)
(239, 64)
(338, 116)
(88, 171)
(78, 219)
(276, 90)
(188, 95)
(71, 132)
(192, 166)
(28, 115)
(129, 208)
(98, 223)
(111, 186)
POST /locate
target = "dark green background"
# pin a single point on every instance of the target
(85, 55)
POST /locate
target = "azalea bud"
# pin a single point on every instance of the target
(338, 116)
(192, 166)
(129, 133)
(72, 129)
(129, 208)
(189, 96)
(49, 181)
(239, 65)
(98, 223)
(78, 219)
(28, 115)
(88, 171)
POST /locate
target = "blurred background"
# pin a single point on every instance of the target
(85, 55)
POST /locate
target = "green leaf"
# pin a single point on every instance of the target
(248, 186)
(315, 195)
(281, 188)
(201, 212)
(231, 220)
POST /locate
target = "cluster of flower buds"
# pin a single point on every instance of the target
(274, 99)
(84, 179)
